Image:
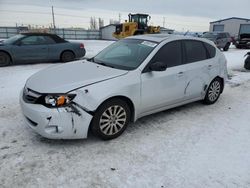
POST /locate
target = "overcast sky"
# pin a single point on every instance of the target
(181, 15)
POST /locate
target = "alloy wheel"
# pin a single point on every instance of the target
(214, 91)
(113, 120)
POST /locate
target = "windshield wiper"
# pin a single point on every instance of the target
(99, 63)
(104, 64)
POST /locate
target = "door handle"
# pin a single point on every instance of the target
(210, 66)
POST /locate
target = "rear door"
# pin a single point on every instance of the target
(159, 89)
(31, 48)
(197, 66)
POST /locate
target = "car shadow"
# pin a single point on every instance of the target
(140, 125)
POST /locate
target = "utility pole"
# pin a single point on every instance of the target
(120, 17)
(53, 17)
(164, 21)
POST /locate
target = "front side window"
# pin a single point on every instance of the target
(126, 54)
(170, 54)
(195, 51)
(33, 40)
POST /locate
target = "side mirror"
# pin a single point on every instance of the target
(158, 66)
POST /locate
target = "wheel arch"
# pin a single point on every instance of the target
(127, 100)
(67, 50)
(222, 82)
(11, 59)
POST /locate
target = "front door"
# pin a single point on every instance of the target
(31, 48)
(159, 89)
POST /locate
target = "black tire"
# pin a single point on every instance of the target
(247, 63)
(105, 123)
(226, 48)
(67, 56)
(4, 59)
(213, 92)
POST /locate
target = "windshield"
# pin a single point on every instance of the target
(125, 54)
(13, 39)
(210, 35)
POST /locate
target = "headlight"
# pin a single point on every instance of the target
(58, 100)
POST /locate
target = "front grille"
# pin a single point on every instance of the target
(30, 96)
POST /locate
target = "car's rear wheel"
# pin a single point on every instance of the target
(213, 91)
(111, 119)
(226, 47)
(67, 56)
(4, 59)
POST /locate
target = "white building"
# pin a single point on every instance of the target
(234, 26)
(107, 31)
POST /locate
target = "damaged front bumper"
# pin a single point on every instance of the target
(56, 123)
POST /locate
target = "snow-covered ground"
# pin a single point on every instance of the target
(190, 146)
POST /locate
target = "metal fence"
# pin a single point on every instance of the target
(73, 34)
(6, 32)
(78, 34)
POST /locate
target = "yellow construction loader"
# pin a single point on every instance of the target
(137, 25)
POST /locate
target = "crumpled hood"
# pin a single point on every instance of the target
(67, 77)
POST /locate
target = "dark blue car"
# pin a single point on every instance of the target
(38, 47)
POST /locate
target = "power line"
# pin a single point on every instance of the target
(171, 23)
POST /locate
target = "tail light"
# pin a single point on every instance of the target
(81, 45)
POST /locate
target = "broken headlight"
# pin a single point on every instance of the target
(59, 100)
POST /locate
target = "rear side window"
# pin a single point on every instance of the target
(195, 51)
(170, 54)
(49, 40)
(210, 49)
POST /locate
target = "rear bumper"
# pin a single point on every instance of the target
(59, 123)
(80, 53)
(242, 44)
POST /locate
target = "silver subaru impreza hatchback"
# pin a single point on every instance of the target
(129, 79)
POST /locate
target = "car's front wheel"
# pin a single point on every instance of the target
(4, 59)
(213, 91)
(67, 56)
(111, 119)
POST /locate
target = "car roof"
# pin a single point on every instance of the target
(44, 34)
(163, 37)
(56, 38)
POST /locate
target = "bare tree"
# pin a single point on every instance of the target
(101, 22)
(93, 23)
